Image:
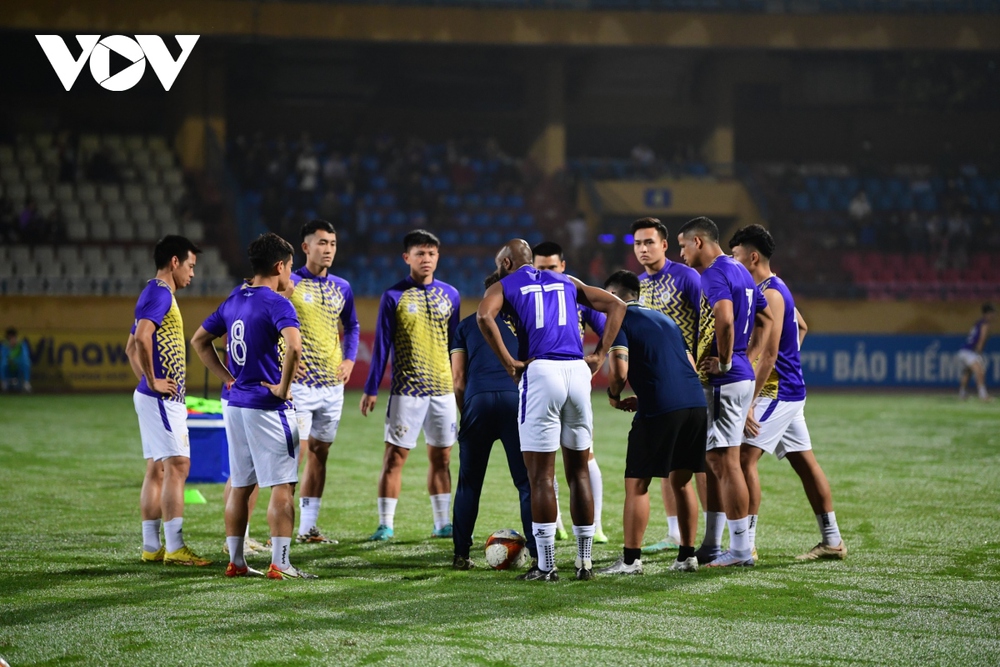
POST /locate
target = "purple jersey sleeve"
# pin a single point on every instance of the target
(595, 319)
(283, 315)
(153, 305)
(715, 286)
(456, 316)
(352, 329)
(385, 329)
(760, 302)
(690, 283)
(215, 324)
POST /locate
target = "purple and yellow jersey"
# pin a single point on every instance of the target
(224, 394)
(728, 280)
(323, 303)
(675, 291)
(975, 335)
(158, 305)
(416, 323)
(595, 319)
(543, 307)
(785, 382)
(253, 318)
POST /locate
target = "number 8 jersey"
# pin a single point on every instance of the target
(546, 313)
(727, 279)
(253, 318)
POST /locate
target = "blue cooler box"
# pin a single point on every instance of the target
(209, 449)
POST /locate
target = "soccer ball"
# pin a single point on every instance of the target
(506, 550)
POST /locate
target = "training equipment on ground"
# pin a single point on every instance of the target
(505, 550)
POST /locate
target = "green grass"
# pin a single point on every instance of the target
(916, 482)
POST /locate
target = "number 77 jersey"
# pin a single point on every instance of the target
(728, 280)
(546, 315)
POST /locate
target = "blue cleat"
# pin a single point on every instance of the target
(443, 531)
(382, 534)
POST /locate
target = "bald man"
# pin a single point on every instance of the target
(553, 377)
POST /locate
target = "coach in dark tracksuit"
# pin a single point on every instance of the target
(488, 400)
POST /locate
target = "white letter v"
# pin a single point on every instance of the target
(159, 57)
(61, 59)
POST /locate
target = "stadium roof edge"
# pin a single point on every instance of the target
(383, 23)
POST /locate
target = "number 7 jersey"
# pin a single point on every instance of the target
(547, 317)
(728, 280)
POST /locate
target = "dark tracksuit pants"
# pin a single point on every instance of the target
(486, 417)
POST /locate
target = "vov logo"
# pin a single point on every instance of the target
(135, 51)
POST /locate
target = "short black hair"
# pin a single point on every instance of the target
(650, 223)
(420, 237)
(756, 237)
(171, 246)
(267, 250)
(626, 280)
(491, 280)
(314, 226)
(702, 225)
(547, 249)
(988, 308)
(11, 331)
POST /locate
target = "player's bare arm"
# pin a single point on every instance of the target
(133, 362)
(367, 404)
(458, 361)
(144, 354)
(610, 305)
(724, 336)
(489, 308)
(203, 347)
(764, 351)
(293, 354)
(803, 327)
(982, 338)
(345, 370)
(617, 378)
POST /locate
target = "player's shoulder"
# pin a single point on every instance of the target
(447, 288)
(339, 282)
(682, 270)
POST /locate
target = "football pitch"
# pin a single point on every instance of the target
(916, 484)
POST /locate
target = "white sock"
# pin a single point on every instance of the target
(545, 540)
(555, 488)
(386, 511)
(673, 528)
(246, 533)
(280, 546)
(828, 528)
(441, 506)
(982, 392)
(308, 514)
(715, 523)
(739, 540)
(236, 556)
(597, 491)
(173, 532)
(752, 531)
(151, 535)
(584, 545)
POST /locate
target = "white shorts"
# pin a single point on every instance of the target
(554, 406)
(969, 358)
(263, 446)
(405, 416)
(318, 410)
(728, 407)
(162, 427)
(782, 427)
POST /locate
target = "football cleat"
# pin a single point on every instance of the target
(184, 556)
(382, 534)
(561, 534)
(727, 559)
(538, 574)
(274, 572)
(686, 565)
(153, 556)
(753, 554)
(620, 567)
(600, 537)
(252, 546)
(462, 563)
(823, 552)
(443, 531)
(246, 571)
(667, 543)
(706, 555)
(314, 537)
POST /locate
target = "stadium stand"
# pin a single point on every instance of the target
(471, 194)
(79, 216)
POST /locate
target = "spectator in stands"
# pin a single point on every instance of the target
(916, 233)
(15, 362)
(577, 232)
(335, 172)
(959, 234)
(860, 209)
(30, 224)
(307, 168)
(8, 221)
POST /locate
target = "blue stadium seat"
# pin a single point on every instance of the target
(494, 201)
(375, 218)
(378, 183)
(396, 219)
(482, 220)
(449, 262)
(821, 202)
(463, 219)
(441, 184)
(453, 201)
(525, 221)
(515, 201)
(850, 186)
(927, 202)
(492, 238)
(449, 237)
(370, 163)
(473, 201)
(382, 237)
(346, 199)
(884, 202)
(470, 263)
(503, 221)
(801, 202)
(470, 237)
(417, 219)
(534, 238)
(387, 200)
(813, 185)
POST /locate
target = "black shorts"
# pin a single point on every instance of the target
(672, 441)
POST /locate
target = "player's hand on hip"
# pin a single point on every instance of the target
(752, 428)
(594, 362)
(630, 404)
(516, 369)
(300, 372)
(164, 386)
(346, 368)
(367, 404)
(710, 365)
(276, 391)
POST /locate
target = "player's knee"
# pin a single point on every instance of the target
(319, 450)
(176, 465)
